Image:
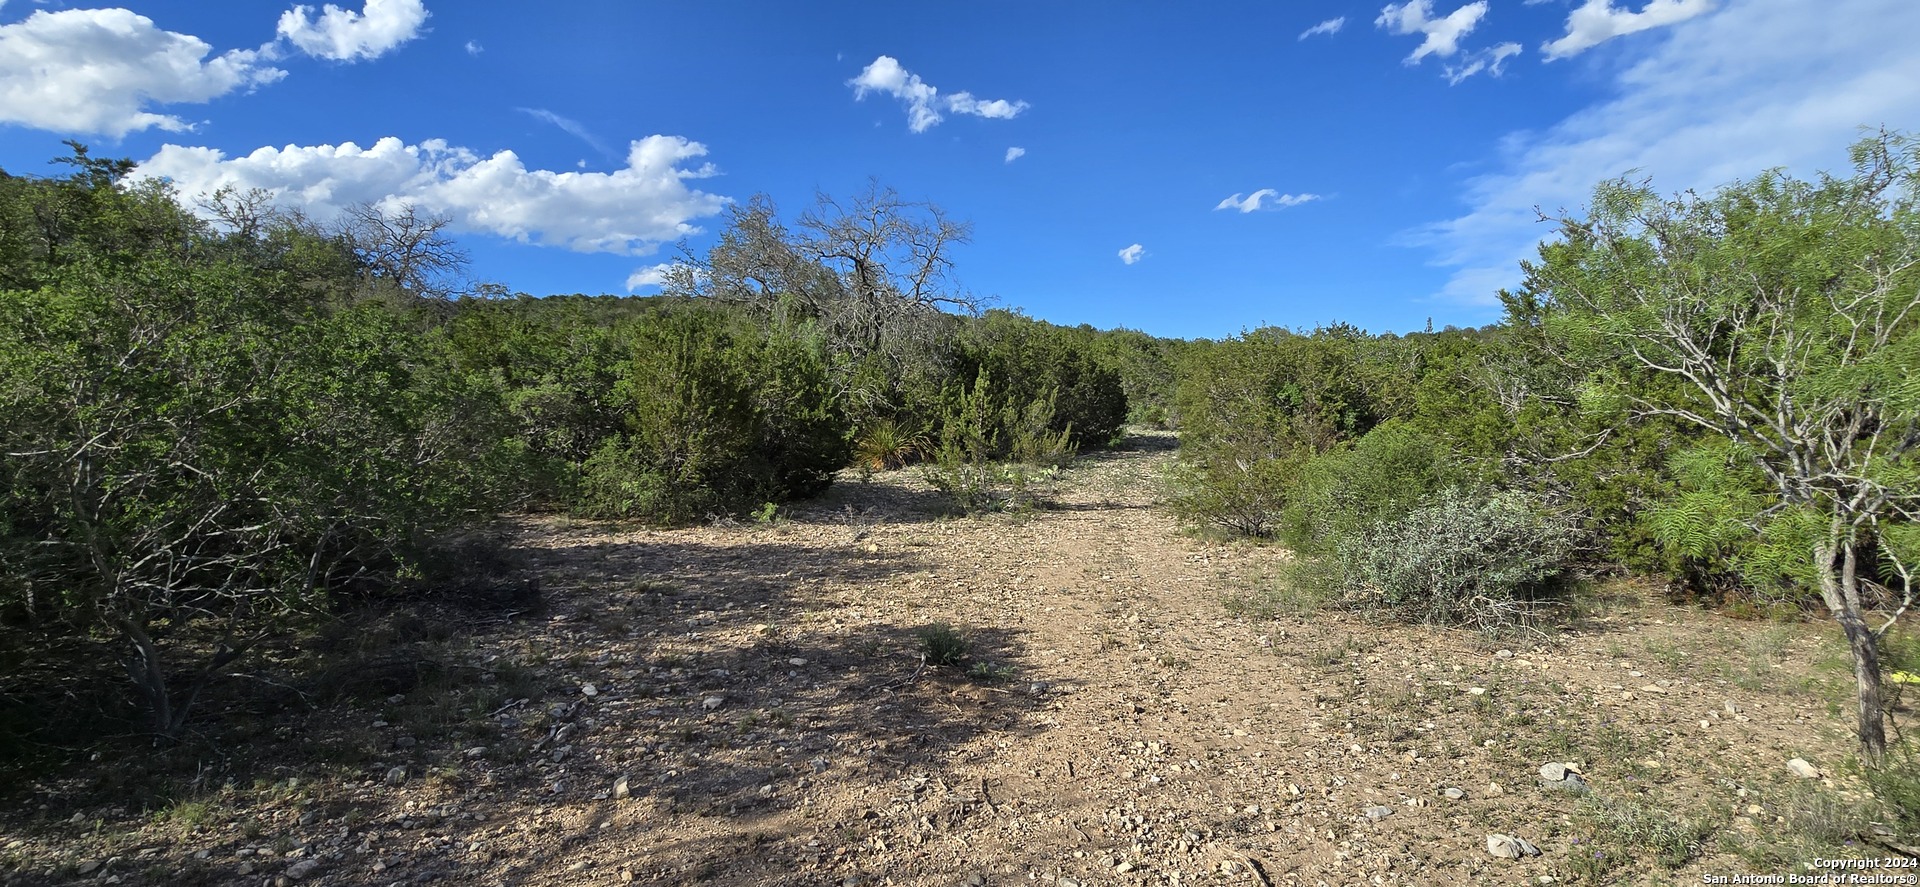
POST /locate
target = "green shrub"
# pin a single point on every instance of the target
(941, 644)
(1033, 361)
(1461, 558)
(1033, 439)
(1236, 486)
(1387, 472)
(1254, 410)
(719, 415)
(962, 467)
(197, 458)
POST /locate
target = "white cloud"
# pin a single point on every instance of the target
(1492, 61)
(98, 71)
(651, 275)
(630, 211)
(1133, 254)
(1442, 34)
(657, 275)
(885, 75)
(1760, 84)
(1260, 200)
(569, 126)
(474, 47)
(1596, 21)
(347, 36)
(1330, 26)
(1015, 154)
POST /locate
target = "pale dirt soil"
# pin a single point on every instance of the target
(761, 690)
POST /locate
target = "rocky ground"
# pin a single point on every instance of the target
(751, 704)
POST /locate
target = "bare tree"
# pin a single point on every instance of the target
(246, 215)
(887, 248)
(403, 245)
(875, 272)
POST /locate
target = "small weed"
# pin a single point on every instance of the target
(1671, 657)
(991, 673)
(1483, 705)
(1817, 824)
(767, 514)
(1896, 783)
(1274, 599)
(941, 644)
(1589, 863)
(1642, 832)
(188, 813)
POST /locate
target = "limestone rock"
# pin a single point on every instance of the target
(1510, 847)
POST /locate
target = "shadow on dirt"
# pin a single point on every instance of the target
(726, 688)
(724, 691)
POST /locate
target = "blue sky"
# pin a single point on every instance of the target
(1389, 164)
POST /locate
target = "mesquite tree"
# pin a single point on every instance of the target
(1782, 317)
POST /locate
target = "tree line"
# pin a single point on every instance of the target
(1719, 389)
(223, 426)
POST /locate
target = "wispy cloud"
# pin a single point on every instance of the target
(1133, 254)
(1596, 21)
(1757, 85)
(1015, 154)
(1330, 26)
(1265, 198)
(569, 126)
(474, 47)
(1493, 61)
(1442, 35)
(885, 75)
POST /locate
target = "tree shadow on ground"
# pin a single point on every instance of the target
(725, 689)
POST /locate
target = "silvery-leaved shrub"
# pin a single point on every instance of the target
(1462, 558)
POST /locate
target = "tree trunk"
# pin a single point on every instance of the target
(1840, 587)
(1866, 673)
(149, 676)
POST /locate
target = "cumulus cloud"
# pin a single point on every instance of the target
(1596, 21)
(923, 101)
(1442, 35)
(630, 211)
(343, 35)
(651, 275)
(1493, 61)
(1330, 26)
(1015, 154)
(100, 70)
(1133, 254)
(474, 47)
(1760, 84)
(1265, 198)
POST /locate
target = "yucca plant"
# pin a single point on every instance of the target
(885, 446)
